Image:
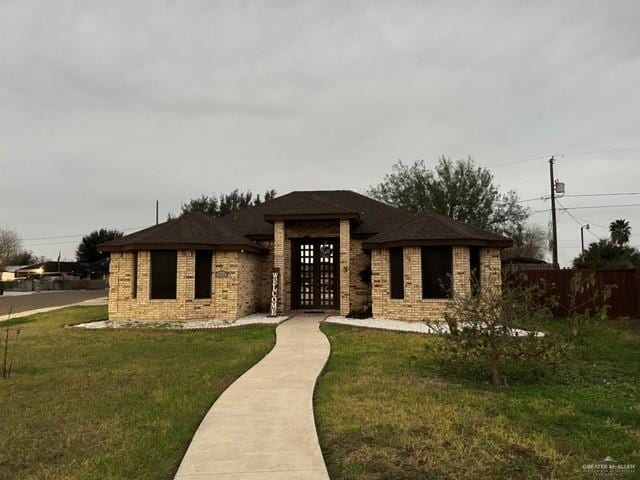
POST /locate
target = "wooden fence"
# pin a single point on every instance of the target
(625, 293)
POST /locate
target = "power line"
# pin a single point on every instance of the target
(591, 207)
(580, 224)
(75, 235)
(562, 155)
(575, 195)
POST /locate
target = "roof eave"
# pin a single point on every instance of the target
(467, 242)
(272, 217)
(180, 246)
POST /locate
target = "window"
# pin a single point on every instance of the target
(474, 267)
(203, 273)
(164, 270)
(134, 275)
(436, 272)
(396, 272)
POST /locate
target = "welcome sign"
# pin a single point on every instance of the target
(275, 276)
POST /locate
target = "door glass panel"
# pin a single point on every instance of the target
(316, 269)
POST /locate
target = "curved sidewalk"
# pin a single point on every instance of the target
(262, 426)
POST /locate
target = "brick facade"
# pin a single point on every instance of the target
(241, 281)
(236, 287)
(413, 307)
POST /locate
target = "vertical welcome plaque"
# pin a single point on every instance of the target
(275, 277)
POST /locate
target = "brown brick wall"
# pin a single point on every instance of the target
(413, 307)
(359, 292)
(344, 269)
(236, 282)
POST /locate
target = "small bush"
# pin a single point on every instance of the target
(515, 329)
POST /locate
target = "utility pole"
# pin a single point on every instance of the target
(582, 227)
(554, 225)
(157, 212)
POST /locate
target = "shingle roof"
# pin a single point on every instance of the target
(434, 229)
(379, 223)
(372, 216)
(196, 230)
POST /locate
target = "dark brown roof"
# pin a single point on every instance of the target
(434, 229)
(380, 224)
(508, 256)
(193, 230)
(370, 216)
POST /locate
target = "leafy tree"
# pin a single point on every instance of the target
(529, 240)
(514, 328)
(461, 190)
(10, 245)
(224, 204)
(24, 257)
(607, 254)
(620, 231)
(87, 250)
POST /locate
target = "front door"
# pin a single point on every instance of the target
(315, 274)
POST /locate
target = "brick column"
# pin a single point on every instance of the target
(114, 280)
(461, 272)
(278, 260)
(379, 280)
(185, 283)
(345, 239)
(144, 276)
(490, 270)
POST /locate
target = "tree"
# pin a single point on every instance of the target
(607, 254)
(24, 257)
(87, 250)
(620, 231)
(529, 240)
(10, 245)
(460, 190)
(224, 204)
(515, 328)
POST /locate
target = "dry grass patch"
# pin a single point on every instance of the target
(387, 408)
(113, 404)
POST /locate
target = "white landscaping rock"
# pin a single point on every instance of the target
(254, 319)
(438, 328)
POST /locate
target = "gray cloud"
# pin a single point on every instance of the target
(106, 106)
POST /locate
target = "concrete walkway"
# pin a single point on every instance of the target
(262, 427)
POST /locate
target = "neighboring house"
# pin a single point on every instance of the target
(54, 269)
(322, 244)
(9, 272)
(521, 262)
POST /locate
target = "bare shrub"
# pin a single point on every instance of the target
(516, 325)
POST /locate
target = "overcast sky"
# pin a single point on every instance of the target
(107, 106)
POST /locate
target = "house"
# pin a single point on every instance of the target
(54, 269)
(513, 261)
(323, 250)
(8, 273)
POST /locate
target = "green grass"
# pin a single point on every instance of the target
(388, 408)
(106, 404)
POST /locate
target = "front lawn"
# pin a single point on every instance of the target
(98, 404)
(387, 409)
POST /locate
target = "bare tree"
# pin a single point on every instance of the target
(10, 244)
(529, 240)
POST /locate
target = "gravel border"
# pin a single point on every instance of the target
(202, 324)
(434, 328)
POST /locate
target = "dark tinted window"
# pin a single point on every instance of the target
(396, 272)
(436, 272)
(203, 273)
(474, 267)
(134, 275)
(164, 269)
